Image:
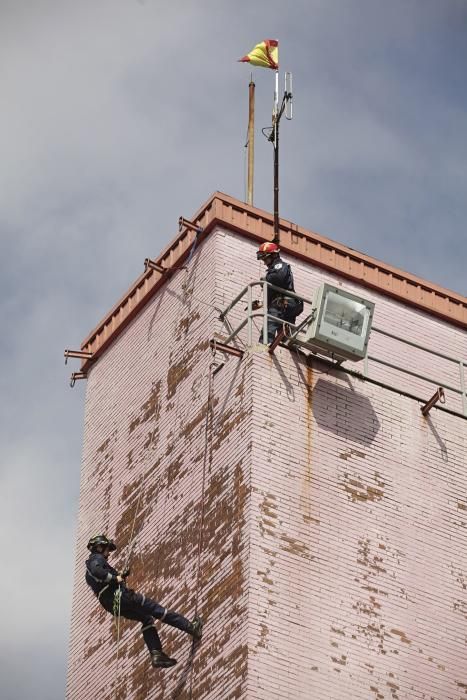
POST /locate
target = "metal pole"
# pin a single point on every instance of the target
(276, 117)
(265, 312)
(276, 181)
(251, 140)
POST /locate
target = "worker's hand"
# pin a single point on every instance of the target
(126, 573)
(119, 578)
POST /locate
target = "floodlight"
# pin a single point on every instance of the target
(341, 323)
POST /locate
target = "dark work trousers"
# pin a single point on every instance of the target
(135, 606)
(284, 313)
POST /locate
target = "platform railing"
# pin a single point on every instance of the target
(296, 329)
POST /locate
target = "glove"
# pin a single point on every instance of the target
(255, 304)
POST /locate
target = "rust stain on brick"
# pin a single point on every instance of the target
(370, 608)
(460, 578)
(268, 509)
(402, 636)
(150, 409)
(99, 613)
(175, 471)
(179, 371)
(310, 519)
(229, 421)
(104, 457)
(124, 524)
(268, 506)
(460, 606)
(462, 506)
(360, 492)
(265, 577)
(240, 391)
(372, 589)
(199, 418)
(342, 661)
(392, 685)
(374, 689)
(263, 637)
(295, 547)
(305, 485)
(185, 323)
(151, 438)
(351, 453)
(154, 483)
(104, 445)
(89, 649)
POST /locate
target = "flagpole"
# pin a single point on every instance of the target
(275, 143)
(251, 140)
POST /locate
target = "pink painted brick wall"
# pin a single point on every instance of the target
(357, 557)
(331, 528)
(147, 417)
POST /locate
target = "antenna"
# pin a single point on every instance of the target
(288, 95)
(273, 137)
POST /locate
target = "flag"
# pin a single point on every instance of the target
(265, 55)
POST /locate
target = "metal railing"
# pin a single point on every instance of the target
(292, 338)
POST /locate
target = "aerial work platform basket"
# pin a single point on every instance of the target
(337, 327)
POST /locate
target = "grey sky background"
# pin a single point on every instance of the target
(116, 117)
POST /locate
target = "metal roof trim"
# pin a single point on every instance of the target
(223, 210)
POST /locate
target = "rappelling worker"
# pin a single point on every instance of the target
(107, 583)
(278, 273)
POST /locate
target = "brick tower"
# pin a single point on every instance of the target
(308, 511)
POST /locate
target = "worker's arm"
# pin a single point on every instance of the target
(98, 567)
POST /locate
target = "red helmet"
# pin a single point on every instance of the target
(267, 249)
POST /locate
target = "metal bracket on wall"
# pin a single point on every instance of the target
(222, 347)
(437, 396)
(278, 339)
(185, 223)
(152, 265)
(75, 376)
(80, 354)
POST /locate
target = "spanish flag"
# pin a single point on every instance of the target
(265, 55)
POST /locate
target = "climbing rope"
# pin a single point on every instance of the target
(116, 607)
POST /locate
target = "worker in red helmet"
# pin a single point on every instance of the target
(105, 581)
(280, 275)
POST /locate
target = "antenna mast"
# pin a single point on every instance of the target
(286, 105)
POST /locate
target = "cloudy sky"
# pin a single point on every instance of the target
(116, 117)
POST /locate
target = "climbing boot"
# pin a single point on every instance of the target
(196, 630)
(161, 660)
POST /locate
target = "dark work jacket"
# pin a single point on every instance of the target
(280, 274)
(99, 573)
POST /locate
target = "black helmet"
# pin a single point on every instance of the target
(101, 540)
